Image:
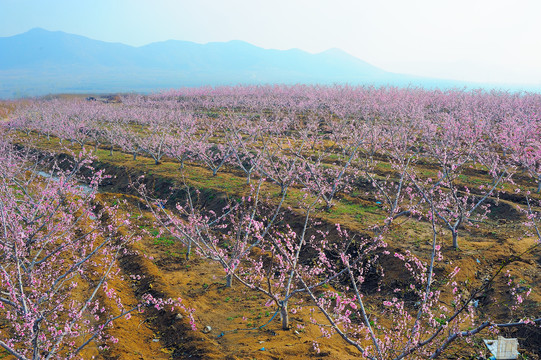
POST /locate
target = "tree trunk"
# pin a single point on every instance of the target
(229, 280)
(455, 239)
(188, 250)
(329, 205)
(284, 314)
(111, 150)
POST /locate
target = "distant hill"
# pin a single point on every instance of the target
(42, 62)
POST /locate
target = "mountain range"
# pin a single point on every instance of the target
(41, 62)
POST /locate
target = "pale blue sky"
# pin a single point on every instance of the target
(477, 40)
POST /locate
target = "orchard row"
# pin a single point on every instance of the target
(441, 158)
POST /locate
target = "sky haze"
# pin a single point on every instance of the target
(473, 40)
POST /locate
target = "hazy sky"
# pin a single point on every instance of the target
(478, 40)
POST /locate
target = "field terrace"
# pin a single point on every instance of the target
(402, 223)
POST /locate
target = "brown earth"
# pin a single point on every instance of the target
(232, 311)
(499, 243)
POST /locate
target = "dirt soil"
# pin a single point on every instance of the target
(228, 319)
(233, 313)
